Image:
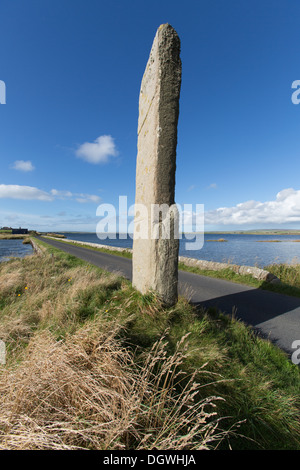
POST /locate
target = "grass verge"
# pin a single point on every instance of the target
(92, 364)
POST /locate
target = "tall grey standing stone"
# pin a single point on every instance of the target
(155, 261)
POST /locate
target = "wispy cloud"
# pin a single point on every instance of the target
(84, 198)
(22, 165)
(98, 151)
(49, 222)
(31, 193)
(212, 186)
(61, 194)
(14, 191)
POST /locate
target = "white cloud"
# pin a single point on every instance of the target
(22, 165)
(83, 198)
(61, 194)
(212, 186)
(11, 191)
(14, 191)
(79, 197)
(284, 209)
(98, 151)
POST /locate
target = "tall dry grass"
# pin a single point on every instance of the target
(44, 292)
(88, 393)
(92, 364)
(70, 383)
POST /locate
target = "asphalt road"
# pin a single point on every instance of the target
(275, 316)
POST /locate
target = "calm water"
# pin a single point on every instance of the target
(240, 249)
(11, 248)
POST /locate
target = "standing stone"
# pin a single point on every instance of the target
(155, 261)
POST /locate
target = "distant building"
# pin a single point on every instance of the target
(19, 231)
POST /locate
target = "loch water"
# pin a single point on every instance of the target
(241, 249)
(13, 248)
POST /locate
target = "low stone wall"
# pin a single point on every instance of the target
(257, 273)
(35, 247)
(94, 245)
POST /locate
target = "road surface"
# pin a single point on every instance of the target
(275, 316)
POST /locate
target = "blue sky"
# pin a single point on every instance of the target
(68, 130)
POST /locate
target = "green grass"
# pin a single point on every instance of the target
(124, 254)
(284, 287)
(258, 385)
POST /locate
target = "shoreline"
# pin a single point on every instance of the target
(229, 232)
(9, 236)
(21, 254)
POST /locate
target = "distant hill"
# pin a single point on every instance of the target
(260, 232)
